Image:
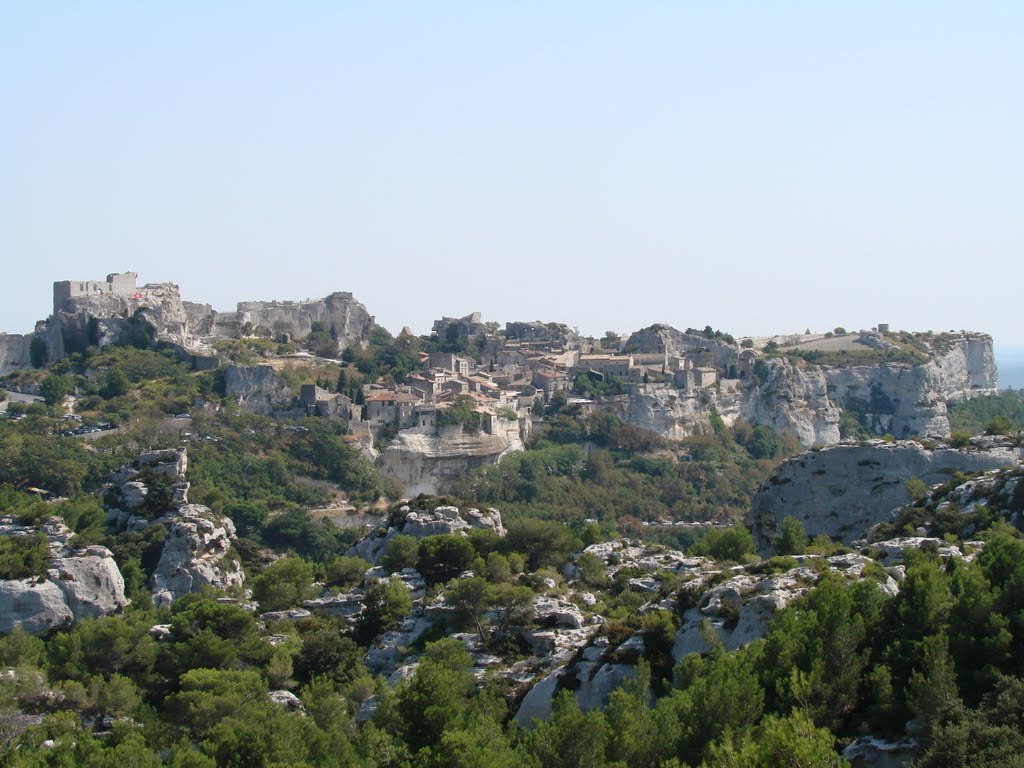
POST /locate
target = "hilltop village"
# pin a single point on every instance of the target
(433, 407)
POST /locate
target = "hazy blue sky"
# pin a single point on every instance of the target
(756, 166)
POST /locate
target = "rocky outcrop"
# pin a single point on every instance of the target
(420, 524)
(736, 603)
(92, 313)
(345, 318)
(422, 462)
(672, 413)
(197, 547)
(844, 490)
(79, 583)
(14, 352)
(536, 331)
(257, 388)
(102, 318)
(659, 338)
(196, 554)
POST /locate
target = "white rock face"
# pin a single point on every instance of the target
(195, 554)
(92, 584)
(79, 583)
(287, 700)
(872, 752)
(422, 462)
(35, 607)
(158, 304)
(345, 318)
(102, 317)
(14, 352)
(807, 400)
(843, 490)
(257, 388)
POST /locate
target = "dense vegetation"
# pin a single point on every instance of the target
(596, 467)
(947, 653)
(996, 414)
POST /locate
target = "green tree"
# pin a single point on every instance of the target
(571, 738)
(327, 653)
(283, 584)
(54, 388)
(444, 557)
(469, 599)
(438, 694)
(792, 540)
(791, 741)
(916, 488)
(544, 543)
(387, 602)
(402, 552)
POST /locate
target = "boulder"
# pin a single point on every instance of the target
(548, 611)
(288, 700)
(35, 606)
(873, 752)
(92, 585)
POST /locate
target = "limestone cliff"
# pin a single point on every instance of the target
(256, 388)
(844, 490)
(97, 314)
(662, 408)
(660, 338)
(341, 315)
(14, 352)
(808, 400)
(894, 398)
(422, 461)
(422, 523)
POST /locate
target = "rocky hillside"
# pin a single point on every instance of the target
(844, 490)
(562, 624)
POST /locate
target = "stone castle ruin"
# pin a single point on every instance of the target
(117, 284)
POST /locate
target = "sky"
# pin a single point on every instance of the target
(760, 167)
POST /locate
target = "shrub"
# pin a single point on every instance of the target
(23, 557)
(726, 544)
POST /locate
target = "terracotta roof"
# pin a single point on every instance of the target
(385, 395)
